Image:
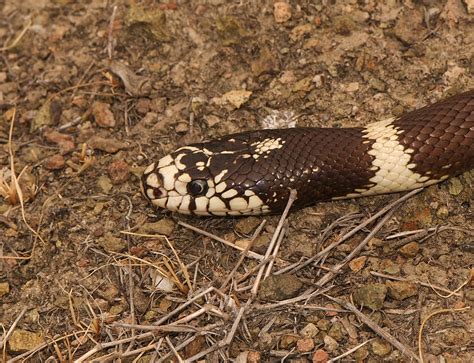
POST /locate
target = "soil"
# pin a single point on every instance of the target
(97, 90)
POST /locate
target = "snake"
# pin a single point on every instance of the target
(253, 172)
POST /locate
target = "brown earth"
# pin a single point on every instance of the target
(97, 92)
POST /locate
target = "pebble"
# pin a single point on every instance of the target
(24, 340)
(358, 263)
(281, 12)
(163, 226)
(267, 62)
(380, 347)
(455, 186)
(64, 141)
(280, 287)
(469, 6)
(104, 183)
(301, 31)
(287, 341)
(371, 296)
(309, 331)
(337, 331)
(305, 345)
(54, 162)
(4, 289)
(118, 171)
(111, 243)
(247, 225)
(401, 290)
(234, 98)
(410, 249)
(442, 212)
(102, 114)
(320, 356)
(109, 145)
(330, 344)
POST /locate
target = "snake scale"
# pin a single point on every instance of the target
(252, 173)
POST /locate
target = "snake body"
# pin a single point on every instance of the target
(252, 173)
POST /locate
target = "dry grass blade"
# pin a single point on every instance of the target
(423, 323)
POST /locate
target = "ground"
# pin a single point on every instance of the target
(93, 91)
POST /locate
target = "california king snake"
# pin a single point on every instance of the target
(253, 172)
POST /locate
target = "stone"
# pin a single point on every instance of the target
(280, 287)
(305, 345)
(163, 226)
(24, 340)
(103, 115)
(401, 290)
(281, 12)
(371, 296)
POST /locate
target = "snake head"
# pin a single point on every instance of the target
(204, 179)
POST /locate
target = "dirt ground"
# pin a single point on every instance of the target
(97, 90)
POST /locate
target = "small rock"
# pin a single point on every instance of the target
(265, 341)
(24, 340)
(111, 243)
(47, 115)
(163, 226)
(303, 85)
(377, 84)
(380, 347)
(54, 162)
(140, 300)
(309, 331)
(253, 357)
(358, 263)
(408, 28)
(109, 145)
(442, 212)
(64, 141)
(344, 25)
(261, 243)
(118, 171)
(4, 289)
(351, 87)
(323, 324)
(401, 290)
(287, 341)
(301, 31)
(389, 267)
(371, 296)
(330, 344)
(104, 183)
(305, 345)
(320, 356)
(360, 354)
(211, 120)
(337, 331)
(235, 98)
(280, 287)
(281, 12)
(181, 127)
(455, 186)
(410, 249)
(469, 6)
(102, 114)
(247, 225)
(287, 77)
(267, 62)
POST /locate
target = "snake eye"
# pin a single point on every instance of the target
(197, 187)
